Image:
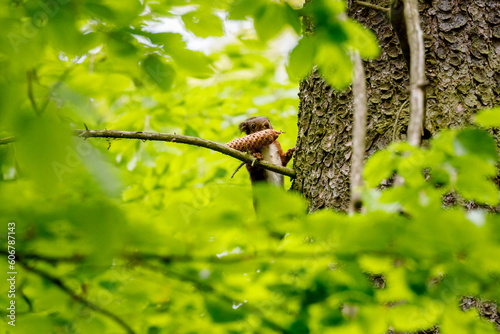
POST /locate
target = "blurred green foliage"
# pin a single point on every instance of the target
(159, 236)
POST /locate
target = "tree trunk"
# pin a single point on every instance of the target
(462, 69)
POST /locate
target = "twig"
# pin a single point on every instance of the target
(369, 5)
(174, 138)
(30, 76)
(417, 72)
(7, 140)
(57, 282)
(237, 169)
(56, 85)
(397, 118)
(358, 132)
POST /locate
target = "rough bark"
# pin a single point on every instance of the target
(462, 45)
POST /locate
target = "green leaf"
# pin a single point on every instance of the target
(222, 311)
(160, 73)
(301, 60)
(293, 18)
(100, 11)
(171, 41)
(124, 11)
(189, 131)
(361, 39)
(195, 63)
(65, 36)
(379, 166)
(44, 151)
(275, 204)
(121, 43)
(475, 142)
(413, 318)
(99, 84)
(243, 9)
(203, 24)
(335, 65)
(489, 118)
(455, 321)
(132, 193)
(479, 190)
(270, 20)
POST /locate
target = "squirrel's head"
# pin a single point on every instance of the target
(255, 124)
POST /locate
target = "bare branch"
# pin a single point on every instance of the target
(174, 138)
(358, 132)
(417, 72)
(57, 282)
(237, 169)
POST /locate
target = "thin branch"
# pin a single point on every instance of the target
(237, 169)
(397, 119)
(30, 76)
(178, 258)
(56, 85)
(7, 140)
(174, 138)
(417, 72)
(229, 259)
(358, 132)
(75, 258)
(369, 5)
(57, 282)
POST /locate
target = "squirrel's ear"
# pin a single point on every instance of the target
(244, 127)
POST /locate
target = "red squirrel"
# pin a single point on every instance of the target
(271, 153)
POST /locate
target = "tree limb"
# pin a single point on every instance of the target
(174, 138)
(358, 132)
(417, 72)
(57, 282)
(179, 258)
